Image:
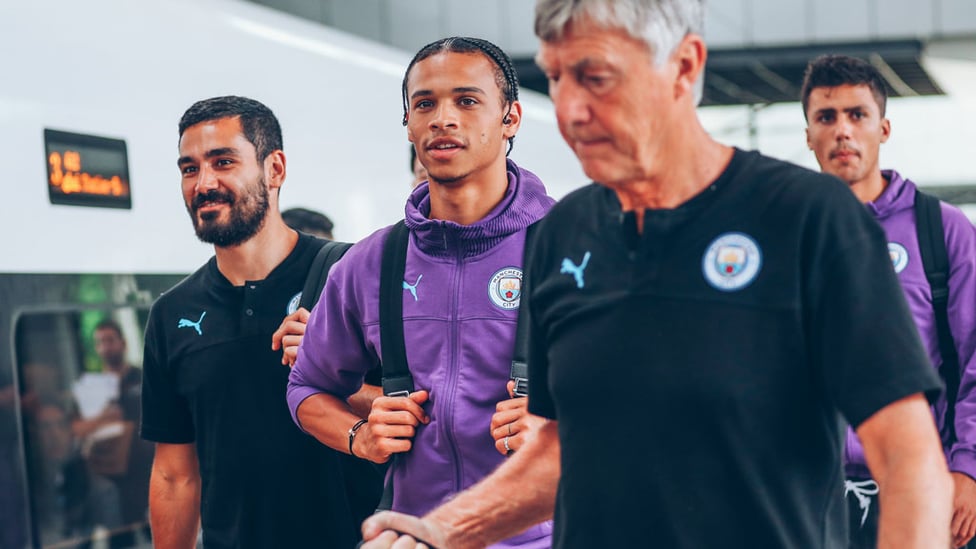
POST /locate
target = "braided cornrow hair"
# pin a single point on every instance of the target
(505, 75)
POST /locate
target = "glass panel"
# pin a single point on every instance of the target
(80, 383)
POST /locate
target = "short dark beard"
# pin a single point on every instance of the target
(247, 215)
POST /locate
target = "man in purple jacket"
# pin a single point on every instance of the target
(463, 273)
(844, 104)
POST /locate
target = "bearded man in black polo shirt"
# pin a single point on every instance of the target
(228, 455)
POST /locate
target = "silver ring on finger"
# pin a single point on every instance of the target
(505, 444)
(509, 429)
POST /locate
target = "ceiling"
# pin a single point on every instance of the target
(758, 49)
(755, 76)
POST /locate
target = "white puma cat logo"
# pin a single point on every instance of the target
(184, 323)
(412, 287)
(568, 267)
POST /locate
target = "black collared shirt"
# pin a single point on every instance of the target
(701, 371)
(212, 379)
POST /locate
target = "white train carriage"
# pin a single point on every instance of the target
(94, 225)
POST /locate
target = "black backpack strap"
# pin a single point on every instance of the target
(328, 254)
(397, 380)
(935, 260)
(520, 368)
(362, 480)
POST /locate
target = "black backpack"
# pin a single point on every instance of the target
(363, 479)
(935, 260)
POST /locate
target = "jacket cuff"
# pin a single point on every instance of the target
(297, 395)
(963, 460)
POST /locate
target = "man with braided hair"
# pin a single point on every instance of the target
(467, 227)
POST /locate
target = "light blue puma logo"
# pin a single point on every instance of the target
(184, 323)
(568, 267)
(412, 287)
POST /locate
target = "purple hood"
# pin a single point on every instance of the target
(894, 209)
(460, 305)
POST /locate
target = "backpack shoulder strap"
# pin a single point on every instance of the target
(329, 253)
(397, 380)
(520, 368)
(935, 260)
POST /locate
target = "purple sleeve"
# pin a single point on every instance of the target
(335, 353)
(961, 247)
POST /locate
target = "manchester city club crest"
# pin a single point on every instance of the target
(293, 303)
(731, 262)
(505, 288)
(899, 256)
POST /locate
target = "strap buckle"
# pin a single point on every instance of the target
(520, 375)
(399, 386)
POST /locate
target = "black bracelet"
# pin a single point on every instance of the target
(352, 434)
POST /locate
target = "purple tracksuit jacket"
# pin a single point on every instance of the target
(894, 209)
(460, 306)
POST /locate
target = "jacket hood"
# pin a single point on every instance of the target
(898, 195)
(524, 203)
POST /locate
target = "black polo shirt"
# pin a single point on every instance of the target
(212, 379)
(701, 372)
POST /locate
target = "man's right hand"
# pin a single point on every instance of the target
(289, 336)
(388, 530)
(963, 509)
(392, 424)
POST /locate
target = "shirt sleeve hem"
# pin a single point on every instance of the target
(165, 437)
(891, 392)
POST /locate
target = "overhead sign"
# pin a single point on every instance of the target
(86, 170)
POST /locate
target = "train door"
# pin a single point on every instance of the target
(74, 471)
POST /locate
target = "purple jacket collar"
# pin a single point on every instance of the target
(517, 210)
(898, 195)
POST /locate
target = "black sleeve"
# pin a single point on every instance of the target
(540, 400)
(862, 335)
(165, 413)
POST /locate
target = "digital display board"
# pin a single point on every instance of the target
(86, 170)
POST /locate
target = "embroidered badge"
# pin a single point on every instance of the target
(570, 268)
(505, 288)
(899, 256)
(293, 303)
(184, 323)
(731, 262)
(412, 287)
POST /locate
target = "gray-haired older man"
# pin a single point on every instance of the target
(748, 306)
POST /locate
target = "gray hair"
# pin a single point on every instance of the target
(660, 24)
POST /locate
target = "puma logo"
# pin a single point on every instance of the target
(568, 267)
(412, 287)
(184, 323)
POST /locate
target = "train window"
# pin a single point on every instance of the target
(79, 379)
(85, 170)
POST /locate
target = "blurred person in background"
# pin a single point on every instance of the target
(416, 168)
(308, 222)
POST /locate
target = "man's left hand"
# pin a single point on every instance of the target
(289, 336)
(512, 424)
(963, 509)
